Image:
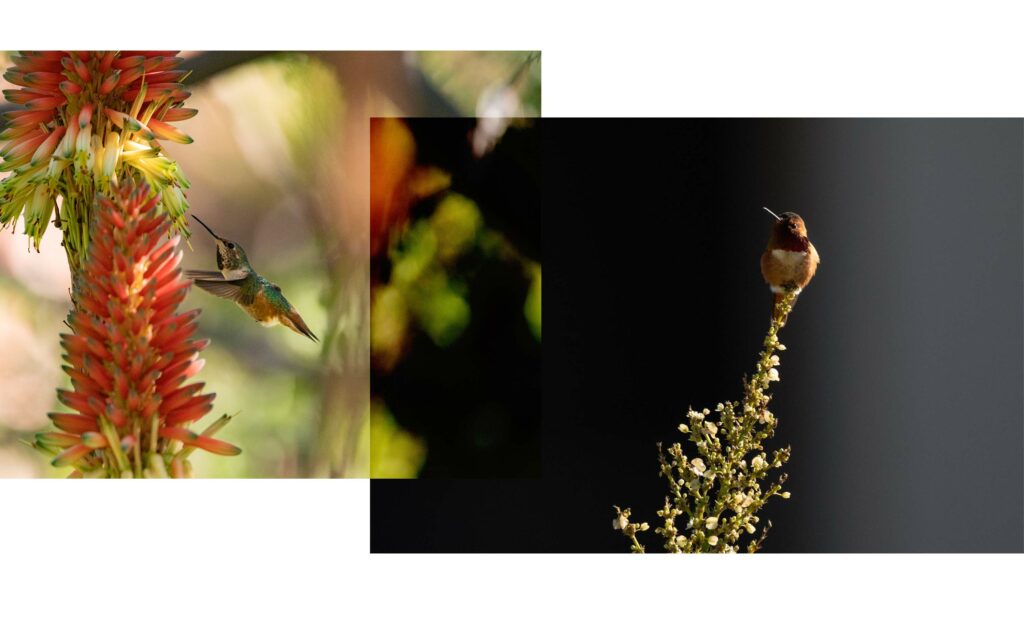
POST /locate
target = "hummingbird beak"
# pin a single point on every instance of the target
(208, 227)
(777, 217)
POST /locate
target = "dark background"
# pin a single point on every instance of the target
(901, 390)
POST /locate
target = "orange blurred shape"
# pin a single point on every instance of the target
(395, 180)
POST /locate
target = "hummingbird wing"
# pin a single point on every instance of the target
(204, 274)
(231, 290)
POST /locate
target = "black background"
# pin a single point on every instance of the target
(901, 389)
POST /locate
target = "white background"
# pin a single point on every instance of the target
(300, 548)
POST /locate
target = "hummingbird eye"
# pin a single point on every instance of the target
(231, 245)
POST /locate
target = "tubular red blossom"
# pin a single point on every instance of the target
(46, 148)
(129, 355)
(204, 442)
(71, 455)
(74, 423)
(55, 438)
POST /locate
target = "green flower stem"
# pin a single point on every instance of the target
(114, 444)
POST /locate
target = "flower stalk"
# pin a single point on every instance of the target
(130, 354)
(86, 150)
(724, 476)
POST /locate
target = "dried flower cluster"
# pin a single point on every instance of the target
(717, 489)
(90, 121)
(130, 353)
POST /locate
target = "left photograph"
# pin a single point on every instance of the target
(186, 273)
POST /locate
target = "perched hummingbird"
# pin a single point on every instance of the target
(789, 260)
(238, 282)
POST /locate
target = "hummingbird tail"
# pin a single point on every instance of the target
(295, 322)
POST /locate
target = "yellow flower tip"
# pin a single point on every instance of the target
(67, 145)
(110, 152)
(83, 143)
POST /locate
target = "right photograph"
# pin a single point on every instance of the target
(764, 335)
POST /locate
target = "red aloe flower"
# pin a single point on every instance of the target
(90, 121)
(130, 354)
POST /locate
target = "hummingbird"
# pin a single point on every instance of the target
(238, 282)
(790, 260)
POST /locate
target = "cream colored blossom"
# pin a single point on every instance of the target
(620, 522)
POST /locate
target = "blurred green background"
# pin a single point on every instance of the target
(456, 298)
(280, 164)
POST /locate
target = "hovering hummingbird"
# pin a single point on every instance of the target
(238, 282)
(789, 260)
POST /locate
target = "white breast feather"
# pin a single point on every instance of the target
(788, 258)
